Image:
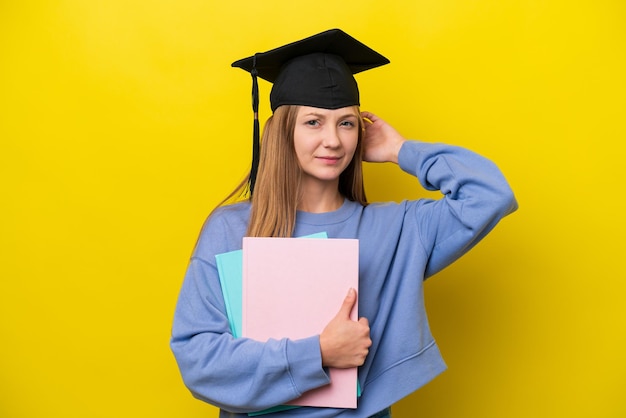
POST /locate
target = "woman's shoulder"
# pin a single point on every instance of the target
(232, 210)
(234, 214)
(384, 214)
(381, 208)
(393, 211)
(224, 228)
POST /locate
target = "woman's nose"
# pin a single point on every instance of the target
(331, 138)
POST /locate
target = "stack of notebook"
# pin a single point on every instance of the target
(291, 288)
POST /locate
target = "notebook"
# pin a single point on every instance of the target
(292, 288)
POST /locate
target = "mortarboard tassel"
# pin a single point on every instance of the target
(255, 128)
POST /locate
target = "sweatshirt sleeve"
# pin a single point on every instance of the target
(475, 197)
(236, 374)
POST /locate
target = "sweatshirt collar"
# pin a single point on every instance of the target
(337, 216)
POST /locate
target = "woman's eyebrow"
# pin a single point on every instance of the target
(319, 115)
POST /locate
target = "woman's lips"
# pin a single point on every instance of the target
(329, 159)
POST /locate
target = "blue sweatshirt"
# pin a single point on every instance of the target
(400, 245)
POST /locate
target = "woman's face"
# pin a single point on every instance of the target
(325, 141)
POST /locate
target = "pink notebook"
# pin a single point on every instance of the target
(292, 288)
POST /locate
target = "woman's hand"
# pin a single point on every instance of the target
(345, 343)
(381, 142)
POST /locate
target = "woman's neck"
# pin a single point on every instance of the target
(320, 199)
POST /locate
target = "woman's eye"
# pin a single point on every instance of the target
(347, 123)
(313, 122)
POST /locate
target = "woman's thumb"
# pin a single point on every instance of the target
(348, 303)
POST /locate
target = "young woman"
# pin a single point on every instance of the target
(310, 180)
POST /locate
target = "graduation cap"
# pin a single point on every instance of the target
(316, 71)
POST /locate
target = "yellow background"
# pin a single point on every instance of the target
(122, 125)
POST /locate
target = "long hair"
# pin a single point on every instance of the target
(276, 191)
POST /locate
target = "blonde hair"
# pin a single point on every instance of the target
(276, 190)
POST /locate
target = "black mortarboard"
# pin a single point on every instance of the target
(316, 71)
